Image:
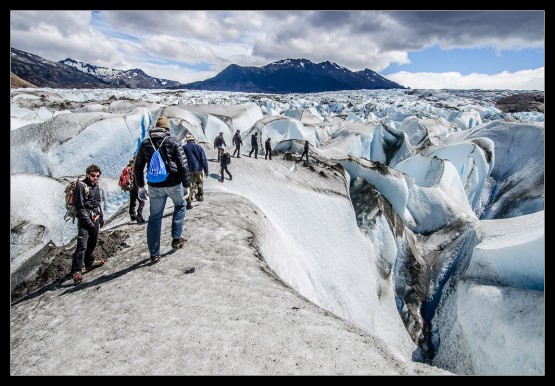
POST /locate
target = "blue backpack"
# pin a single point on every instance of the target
(157, 168)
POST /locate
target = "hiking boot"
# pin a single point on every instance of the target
(189, 206)
(96, 263)
(230, 178)
(77, 277)
(141, 220)
(178, 243)
(221, 180)
(238, 156)
(200, 198)
(154, 259)
(133, 218)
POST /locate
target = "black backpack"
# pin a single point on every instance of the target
(227, 158)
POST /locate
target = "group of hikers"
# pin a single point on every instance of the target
(187, 166)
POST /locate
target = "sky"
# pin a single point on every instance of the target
(299, 268)
(417, 49)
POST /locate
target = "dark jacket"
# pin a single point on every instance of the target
(171, 152)
(196, 158)
(219, 141)
(85, 205)
(254, 140)
(237, 139)
(268, 145)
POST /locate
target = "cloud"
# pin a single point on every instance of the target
(519, 80)
(184, 39)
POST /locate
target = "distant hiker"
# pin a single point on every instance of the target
(268, 145)
(254, 144)
(175, 186)
(196, 160)
(136, 215)
(90, 219)
(305, 151)
(225, 161)
(238, 142)
(219, 142)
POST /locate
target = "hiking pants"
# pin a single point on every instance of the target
(222, 168)
(133, 198)
(86, 244)
(255, 149)
(302, 155)
(237, 150)
(196, 179)
(158, 197)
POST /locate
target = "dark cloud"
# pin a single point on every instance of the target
(466, 29)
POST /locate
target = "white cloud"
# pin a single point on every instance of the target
(352, 39)
(519, 80)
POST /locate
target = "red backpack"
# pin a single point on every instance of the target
(126, 178)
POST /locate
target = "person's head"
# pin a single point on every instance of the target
(238, 131)
(162, 121)
(221, 134)
(93, 173)
(306, 142)
(189, 138)
(269, 138)
(256, 133)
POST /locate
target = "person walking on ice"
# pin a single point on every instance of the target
(225, 160)
(90, 219)
(238, 142)
(268, 145)
(175, 185)
(196, 160)
(305, 152)
(254, 144)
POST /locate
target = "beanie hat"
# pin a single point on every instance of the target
(163, 122)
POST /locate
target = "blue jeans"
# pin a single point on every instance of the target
(158, 197)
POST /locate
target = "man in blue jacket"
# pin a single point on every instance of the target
(196, 159)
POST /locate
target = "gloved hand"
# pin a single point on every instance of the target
(185, 192)
(101, 221)
(143, 194)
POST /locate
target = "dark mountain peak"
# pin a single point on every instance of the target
(292, 76)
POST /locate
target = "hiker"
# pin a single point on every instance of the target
(254, 144)
(196, 160)
(268, 145)
(219, 142)
(305, 152)
(225, 160)
(90, 219)
(238, 142)
(135, 214)
(175, 186)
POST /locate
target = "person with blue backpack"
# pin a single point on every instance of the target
(167, 176)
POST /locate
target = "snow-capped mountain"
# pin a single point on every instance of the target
(134, 78)
(291, 76)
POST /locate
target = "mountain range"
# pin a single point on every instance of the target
(281, 77)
